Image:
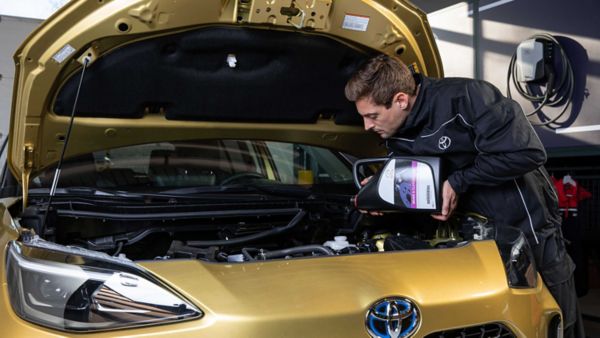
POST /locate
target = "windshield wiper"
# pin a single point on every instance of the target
(190, 193)
(87, 191)
(172, 195)
(204, 189)
(283, 190)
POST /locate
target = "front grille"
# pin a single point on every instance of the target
(481, 331)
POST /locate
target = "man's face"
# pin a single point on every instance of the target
(381, 120)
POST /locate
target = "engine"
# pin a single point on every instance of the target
(236, 232)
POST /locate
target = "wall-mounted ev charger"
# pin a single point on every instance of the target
(530, 61)
(541, 78)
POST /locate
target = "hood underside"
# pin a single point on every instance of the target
(164, 70)
(274, 76)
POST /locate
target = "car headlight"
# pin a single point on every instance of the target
(69, 290)
(517, 256)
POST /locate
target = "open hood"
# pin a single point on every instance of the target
(163, 70)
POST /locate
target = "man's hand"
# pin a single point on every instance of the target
(450, 200)
(372, 213)
(365, 180)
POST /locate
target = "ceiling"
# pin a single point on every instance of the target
(429, 6)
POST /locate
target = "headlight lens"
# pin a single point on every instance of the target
(89, 294)
(517, 256)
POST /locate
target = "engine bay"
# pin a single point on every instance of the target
(234, 230)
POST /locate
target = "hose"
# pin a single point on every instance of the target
(253, 237)
(559, 90)
(247, 255)
(119, 248)
(296, 250)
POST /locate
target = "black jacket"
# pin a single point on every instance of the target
(494, 157)
(494, 160)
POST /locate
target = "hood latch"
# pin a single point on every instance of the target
(312, 14)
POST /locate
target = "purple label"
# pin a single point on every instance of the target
(413, 186)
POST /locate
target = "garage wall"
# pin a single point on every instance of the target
(501, 26)
(12, 32)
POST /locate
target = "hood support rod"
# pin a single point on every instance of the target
(86, 61)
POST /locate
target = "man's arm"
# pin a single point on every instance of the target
(507, 144)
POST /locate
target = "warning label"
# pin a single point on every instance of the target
(356, 22)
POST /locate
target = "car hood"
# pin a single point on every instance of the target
(177, 70)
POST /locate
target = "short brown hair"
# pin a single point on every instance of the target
(379, 79)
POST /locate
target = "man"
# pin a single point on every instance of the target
(493, 155)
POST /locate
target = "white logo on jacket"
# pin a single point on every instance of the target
(444, 142)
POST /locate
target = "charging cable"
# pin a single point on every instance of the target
(558, 83)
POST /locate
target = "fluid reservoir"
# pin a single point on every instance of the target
(338, 243)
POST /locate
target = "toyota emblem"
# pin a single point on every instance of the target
(444, 142)
(393, 317)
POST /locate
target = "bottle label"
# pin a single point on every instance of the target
(408, 184)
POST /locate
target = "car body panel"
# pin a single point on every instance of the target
(333, 294)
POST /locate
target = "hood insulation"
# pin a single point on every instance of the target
(278, 76)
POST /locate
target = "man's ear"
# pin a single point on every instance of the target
(401, 99)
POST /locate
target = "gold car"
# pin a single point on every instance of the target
(182, 168)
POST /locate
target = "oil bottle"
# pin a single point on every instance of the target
(403, 184)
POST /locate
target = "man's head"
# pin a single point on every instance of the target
(383, 90)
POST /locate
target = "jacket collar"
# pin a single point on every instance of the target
(417, 116)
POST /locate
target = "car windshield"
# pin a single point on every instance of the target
(172, 165)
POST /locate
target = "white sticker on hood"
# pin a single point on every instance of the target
(63, 53)
(356, 22)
